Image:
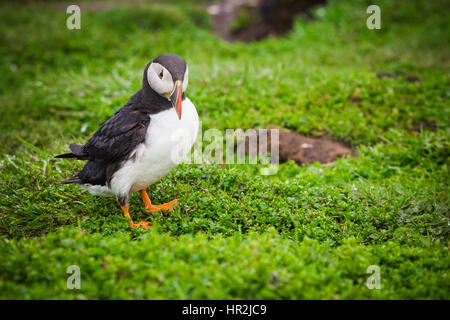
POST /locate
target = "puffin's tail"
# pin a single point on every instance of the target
(71, 180)
(77, 153)
(66, 155)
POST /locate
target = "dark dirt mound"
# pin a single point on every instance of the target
(425, 125)
(408, 77)
(250, 20)
(306, 150)
(303, 149)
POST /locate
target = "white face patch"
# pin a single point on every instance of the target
(186, 79)
(159, 79)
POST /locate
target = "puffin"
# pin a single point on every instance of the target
(143, 141)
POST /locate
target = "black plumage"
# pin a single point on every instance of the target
(116, 139)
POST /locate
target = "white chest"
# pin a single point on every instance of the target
(167, 143)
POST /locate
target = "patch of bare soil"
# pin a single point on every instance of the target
(252, 20)
(408, 77)
(425, 125)
(306, 150)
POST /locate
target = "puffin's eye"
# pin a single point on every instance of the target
(160, 75)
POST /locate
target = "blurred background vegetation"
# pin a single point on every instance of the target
(306, 232)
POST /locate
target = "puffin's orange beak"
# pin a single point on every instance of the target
(176, 98)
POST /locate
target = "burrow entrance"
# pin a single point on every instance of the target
(308, 149)
(303, 149)
(252, 20)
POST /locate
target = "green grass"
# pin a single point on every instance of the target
(306, 232)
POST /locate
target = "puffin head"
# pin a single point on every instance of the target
(168, 75)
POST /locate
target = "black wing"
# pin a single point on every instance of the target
(117, 137)
(113, 142)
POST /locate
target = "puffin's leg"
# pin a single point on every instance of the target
(156, 207)
(124, 204)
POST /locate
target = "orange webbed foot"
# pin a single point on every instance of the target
(166, 206)
(142, 224)
(156, 207)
